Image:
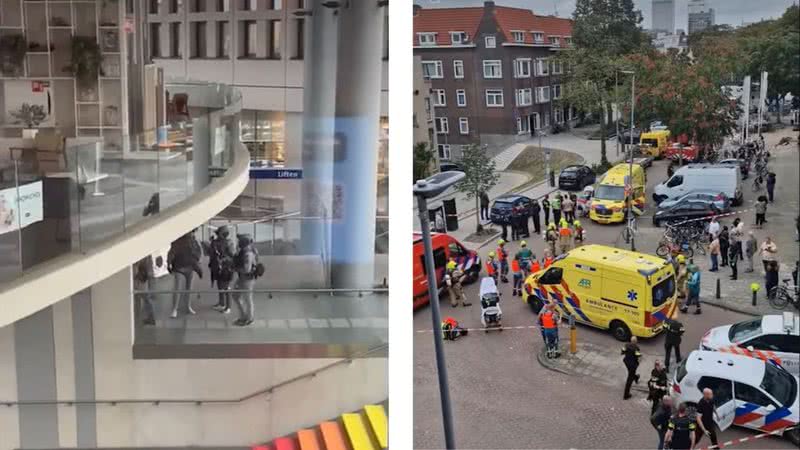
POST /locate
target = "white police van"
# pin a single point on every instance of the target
(773, 337)
(748, 392)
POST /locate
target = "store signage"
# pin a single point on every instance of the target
(271, 173)
(20, 207)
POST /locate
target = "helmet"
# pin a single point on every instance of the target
(681, 259)
(692, 268)
(523, 244)
(451, 265)
(551, 226)
(577, 223)
(501, 242)
(491, 255)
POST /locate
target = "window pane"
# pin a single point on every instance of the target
(275, 39)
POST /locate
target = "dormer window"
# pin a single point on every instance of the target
(518, 36)
(458, 37)
(538, 37)
(427, 38)
(554, 41)
(489, 41)
(568, 40)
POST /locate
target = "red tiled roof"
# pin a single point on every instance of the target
(444, 20)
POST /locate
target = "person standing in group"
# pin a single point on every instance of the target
(713, 252)
(484, 205)
(631, 355)
(579, 233)
(556, 205)
(568, 208)
(657, 385)
(693, 289)
(492, 267)
(680, 430)
(183, 261)
(453, 279)
(713, 228)
(551, 237)
(535, 210)
(682, 275)
(672, 341)
(516, 276)
(546, 209)
(771, 277)
(733, 260)
(724, 244)
(523, 220)
(245, 266)
(525, 257)
(564, 237)
(221, 252)
(706, 411)
(502, 259)
(660, 419)
(750, 249)
(761, 211)
(144, 280)
(771, 179)
(516, 226)
(769, 252)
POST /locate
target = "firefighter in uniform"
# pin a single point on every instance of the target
(579, 233)
(564, 237)
(516, 272)
(491, 266)
(502, 258)
(524, 256)
(548, 258)
(631, 355)
(680, 430)
(453, 279)
(551, 237)
(548, 320)
(682, 275)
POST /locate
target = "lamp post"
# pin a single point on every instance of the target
(616, 106)
(423, 190)
(629, 202)
(546, 159)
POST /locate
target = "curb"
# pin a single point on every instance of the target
(727, 307)
(541, 356)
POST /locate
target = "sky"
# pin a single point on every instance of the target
(732, 12)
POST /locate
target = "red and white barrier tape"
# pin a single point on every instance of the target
(749, 438)
(717, 216)
(523, 327)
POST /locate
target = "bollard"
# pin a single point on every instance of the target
(573, 335)
(718, 295)
(755, 287)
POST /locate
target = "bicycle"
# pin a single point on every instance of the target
(630, 230)
(670, 247)
(784, 294)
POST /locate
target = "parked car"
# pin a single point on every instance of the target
(449, 166)
(774, 338)
(501, 208)
(744, 167)
(685, 210)
(719, 199)
(644, 161)
(625, 135)
(575, 178)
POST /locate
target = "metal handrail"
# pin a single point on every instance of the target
(198, 402)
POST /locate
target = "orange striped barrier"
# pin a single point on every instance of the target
(308, 440)
(333, 436)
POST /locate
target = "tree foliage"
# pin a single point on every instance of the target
(423, 160)
(480, 175)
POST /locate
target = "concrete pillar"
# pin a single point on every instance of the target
(319, 108)
(358, 94)
(201, 152)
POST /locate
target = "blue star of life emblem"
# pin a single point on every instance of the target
(632, 295)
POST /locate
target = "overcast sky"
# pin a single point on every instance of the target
(732, 12)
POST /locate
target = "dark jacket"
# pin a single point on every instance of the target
(771, 179)
(484, 199)
(535, 209)
(246, 259)
(660, 418)
(657, 384)
(675, 331)
(631, 354)
(185, 253)
(221, 252)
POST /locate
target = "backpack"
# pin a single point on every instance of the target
(219, 262)
(258, 268)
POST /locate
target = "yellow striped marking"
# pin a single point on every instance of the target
(376, 416)
(357, 432)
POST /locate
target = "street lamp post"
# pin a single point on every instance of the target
(546, 160)
(616, 106)
(423, 190)
(629, 184)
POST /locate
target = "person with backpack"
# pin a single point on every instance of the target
(183, 261)
(221, 251)
(247, 270)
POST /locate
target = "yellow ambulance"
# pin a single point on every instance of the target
(608, 200)
(654, 143)
(627, 292)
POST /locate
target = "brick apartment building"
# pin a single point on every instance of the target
(492, 77)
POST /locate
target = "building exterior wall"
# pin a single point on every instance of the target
(664, 15)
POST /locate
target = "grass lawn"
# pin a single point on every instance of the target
(532, 162)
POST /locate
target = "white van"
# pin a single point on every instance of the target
(705, 177)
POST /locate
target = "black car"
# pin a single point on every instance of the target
(689, 208)
(501, 208)
(744, 167)
(575, 178)
(625, 135)
(449, 166)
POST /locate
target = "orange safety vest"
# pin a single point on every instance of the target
(501, 254)
(490, 268)
(515, 266)
(535, 267)
(548, 322)
(548, 261)
(564, 231)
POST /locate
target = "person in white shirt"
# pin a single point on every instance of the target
(713, 228)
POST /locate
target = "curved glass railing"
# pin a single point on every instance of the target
(66, 195)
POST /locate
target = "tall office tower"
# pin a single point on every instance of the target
(664, 15)
(700, 17)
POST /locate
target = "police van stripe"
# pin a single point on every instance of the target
(776, 415)
(746, 408)
(573, 301)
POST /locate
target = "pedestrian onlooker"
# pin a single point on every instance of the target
(183, 261)
(771, 179)
(245, 264)
(693, 289)
(724, 244)
(144, 280)
(672, 341)
(535, 210)
(516, 223)
(556, 205)
(660, 419)
(680, 430)
(221, 252)
(733, 261)
(568, 208)
(523, 221)
(546, 209)
(737, 236)
(771, 277)
(713, 252)
(631, 355)
(750, 249)
(713, 228)
(705, 420)
(761, 211)
(657, 385)
(484, 205)
(769, 252)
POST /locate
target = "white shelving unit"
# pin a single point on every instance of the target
(93, 110)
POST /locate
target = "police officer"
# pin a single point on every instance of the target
(705, 420)
(631, 355)
(453, 279)
(502, 259)
(660, 419)
(657, 385)
(672, 341)
(680, 430)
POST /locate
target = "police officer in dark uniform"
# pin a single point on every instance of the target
(631, 355)
(680, 430)
(657, 385)
(675, 331)
(706, 410)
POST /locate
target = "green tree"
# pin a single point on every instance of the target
(423, 160)
(480, 176)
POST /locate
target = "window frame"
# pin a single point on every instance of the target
(426, 35)
(540, 37)
(490, 38)
(441, 125)
(518, 36)
(540, 94)
(519, 94)
(458, 63)
(439, 97)
(555, 41)
(493, 63)
(437, 63)
(555, 87)
(462, 37)
(494, 93)
(444, 151)
(542, 63)
(459, 93)
(518, 64)
(462, 122)
(520, 128)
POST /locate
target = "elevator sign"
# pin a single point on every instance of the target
(271, 173)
